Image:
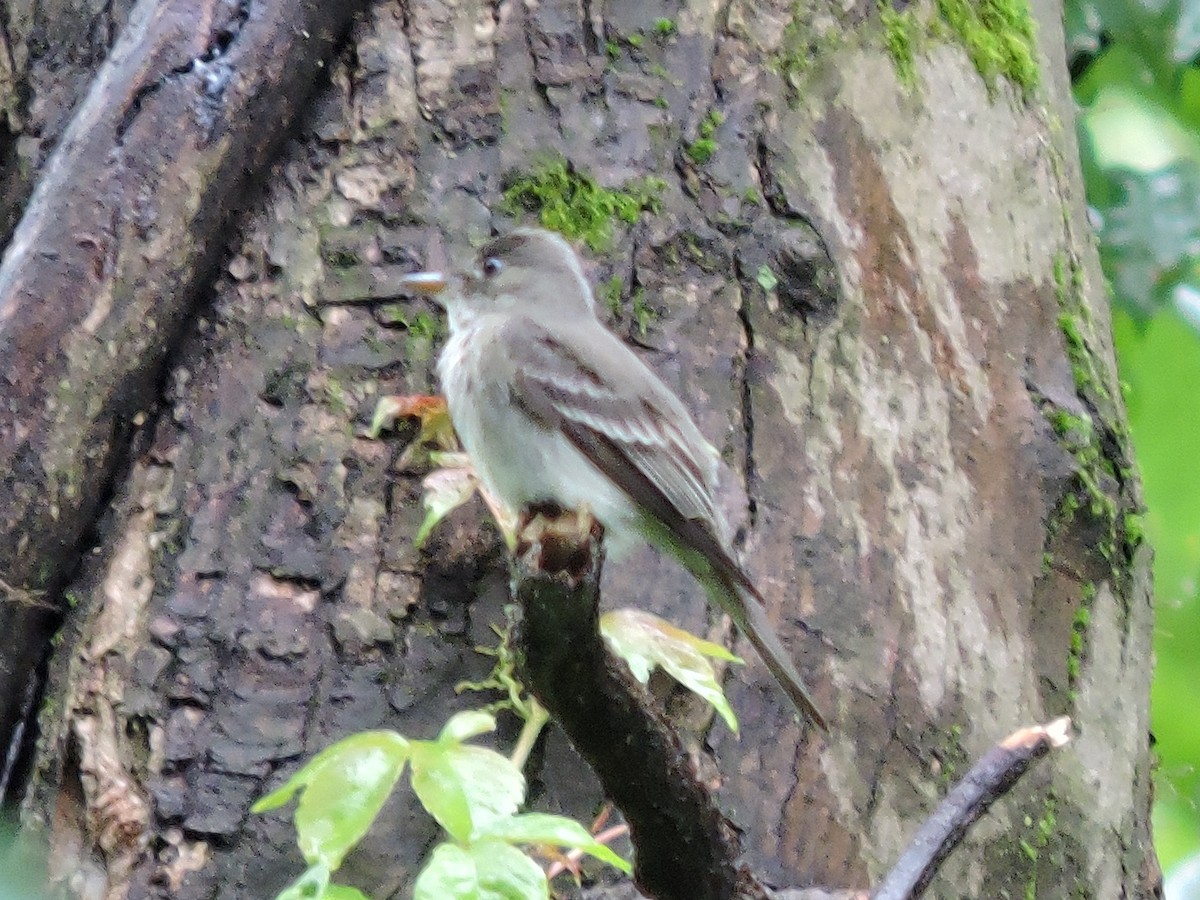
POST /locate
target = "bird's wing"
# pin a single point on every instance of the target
(627, 422)
(636, 432)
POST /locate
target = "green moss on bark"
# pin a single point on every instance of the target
(572, 203)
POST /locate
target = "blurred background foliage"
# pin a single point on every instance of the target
(1135, 65)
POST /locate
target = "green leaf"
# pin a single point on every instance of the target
(1132, 128)
(465, 725)
(505, 873)
(645, 642)
(344, 787)
(766, 278)
(489, 870)
(343, 892)
(449, 875)
(313, 882)
(388, 740)
(558, 831)
(465, 788)
(445, 490)
(387, 411)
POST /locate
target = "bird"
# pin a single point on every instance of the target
(554, 409)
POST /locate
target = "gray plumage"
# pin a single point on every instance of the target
(553, 407)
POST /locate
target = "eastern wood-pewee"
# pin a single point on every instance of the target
(552, 407)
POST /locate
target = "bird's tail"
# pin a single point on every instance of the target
(747, 609)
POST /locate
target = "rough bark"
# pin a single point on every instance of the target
(902, 413)
(101, 272)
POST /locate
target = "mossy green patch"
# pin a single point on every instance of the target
(575, 205)
(424, 325)
(1135, 529)
(1000, 36)
(802, 49)
(1079, 629)
(643, 313)
(611, 292)
(612, 295)
(1037, 838)
(900, 34)
(952, 758)
(336, 396)
(340, 258)
(702, 149)
(1075, 322)
(1093, 493)
(419, 323)
(767, 279)
(1096, 476)
(1095, 436)
(664, 28)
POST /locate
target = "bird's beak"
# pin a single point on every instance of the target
(427, 284)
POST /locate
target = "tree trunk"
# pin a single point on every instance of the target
(870, 275)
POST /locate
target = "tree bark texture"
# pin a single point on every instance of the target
(99, 275)
(883, 303)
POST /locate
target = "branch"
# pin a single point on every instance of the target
(129, 215)
(987, 781)
(685, 849)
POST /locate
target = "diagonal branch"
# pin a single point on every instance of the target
(986, 782)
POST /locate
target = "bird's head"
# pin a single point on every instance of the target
(529, 271)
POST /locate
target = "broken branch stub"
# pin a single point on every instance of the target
(685, 849)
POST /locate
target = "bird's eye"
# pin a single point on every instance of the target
(492, 267)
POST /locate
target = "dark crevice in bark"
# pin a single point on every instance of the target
(718, 95)
(591, 40)
(742, 374)
(772, 191)
(406, 26)
(875, 780)
(494, 6)
(22, 732)
(18, 755)
(215, 75)
(110, 26)
(543, 93)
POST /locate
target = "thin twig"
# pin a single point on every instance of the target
(572, 857)
(988, 780)
(23, 597)
(530, 731)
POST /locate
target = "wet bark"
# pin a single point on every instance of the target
(881, 301)
(100, 274)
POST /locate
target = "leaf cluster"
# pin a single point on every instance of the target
(474, 793)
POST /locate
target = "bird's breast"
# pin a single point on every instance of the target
(518, 460)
